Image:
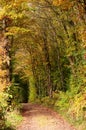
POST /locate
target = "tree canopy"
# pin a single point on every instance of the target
(43, 53)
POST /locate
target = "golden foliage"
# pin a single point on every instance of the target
(2, 85)
(66, 4)
(58, 2)
(77, 108)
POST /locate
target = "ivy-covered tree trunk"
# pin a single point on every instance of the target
(4, 58)
(32, 89)
(48, 65)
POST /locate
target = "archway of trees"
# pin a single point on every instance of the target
(43, 52)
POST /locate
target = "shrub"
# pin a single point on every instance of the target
(63, 101)
(47, 101)
(3, 108)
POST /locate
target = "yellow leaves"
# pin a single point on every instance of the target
(55, 2)
(2, 86)
(70, 50)
(12, 9)
(83, 36)
(16, 30)
(3, 81)
(2, 13)
(19, 4)
(60, 2)
(1, 62)
(1, 50)
(66, 4)
(78, 105)
(2, 73)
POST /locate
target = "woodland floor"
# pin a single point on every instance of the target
(37, 117)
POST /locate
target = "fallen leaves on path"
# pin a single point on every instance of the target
(37, 117)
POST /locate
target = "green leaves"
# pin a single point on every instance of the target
(16, 30)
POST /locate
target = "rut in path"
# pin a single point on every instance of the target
(37, 117)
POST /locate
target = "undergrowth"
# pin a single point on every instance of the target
(70, 105)
(9, 115)
(13, 119)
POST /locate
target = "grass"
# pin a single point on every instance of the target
(79, 124)
(62, 106)
(13, 119)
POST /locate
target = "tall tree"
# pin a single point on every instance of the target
(11, 12)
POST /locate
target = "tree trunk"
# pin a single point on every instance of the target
(48, 64)
(4, 59)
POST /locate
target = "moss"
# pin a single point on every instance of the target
(32, 89)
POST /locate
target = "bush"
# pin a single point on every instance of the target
(3, 108)
(73, 107)
(78, 107)
(13, 118)
(15, 95)
(8, 117)
(47, 101)
(63, 101)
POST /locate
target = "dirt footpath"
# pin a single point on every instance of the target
(37, 117)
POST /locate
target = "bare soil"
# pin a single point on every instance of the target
(37, 117)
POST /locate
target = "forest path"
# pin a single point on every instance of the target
(37, 117)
